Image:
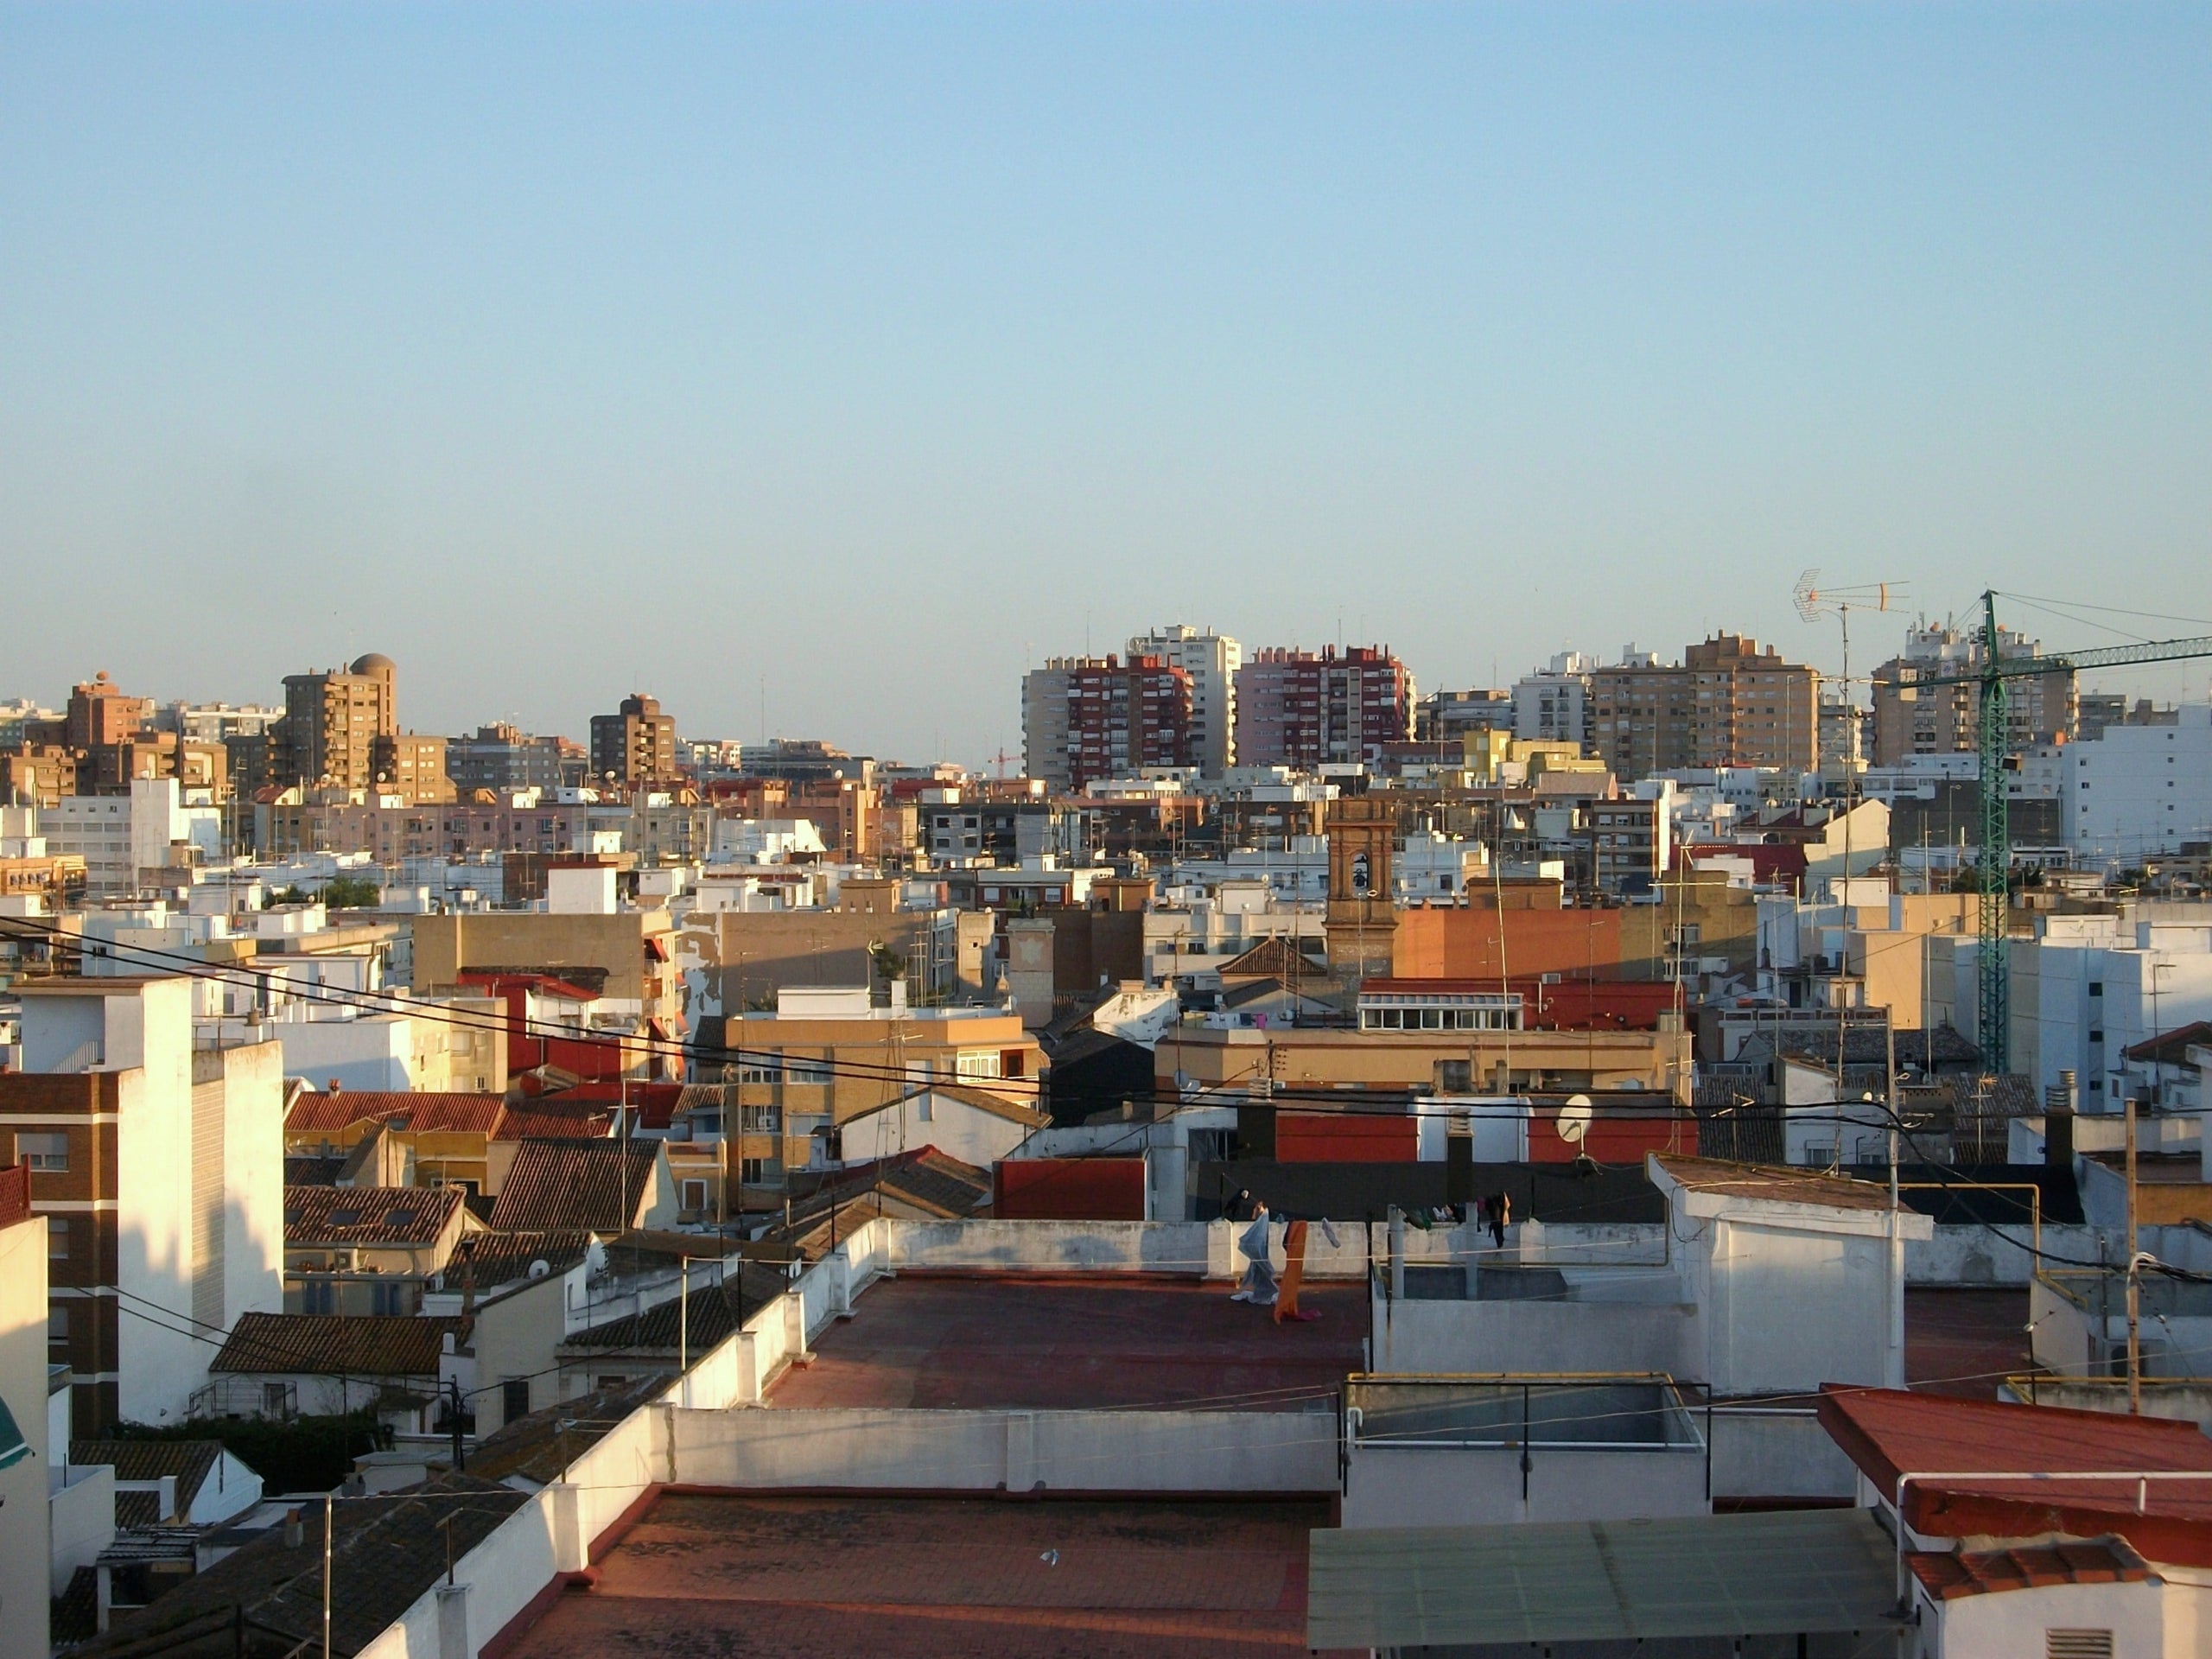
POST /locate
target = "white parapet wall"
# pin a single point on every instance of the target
(894, 1449)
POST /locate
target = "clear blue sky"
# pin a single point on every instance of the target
(874, 351)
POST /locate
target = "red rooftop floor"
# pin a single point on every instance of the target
(746, 1578)
(1041, 1345)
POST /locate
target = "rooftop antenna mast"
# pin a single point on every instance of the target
(1814, 602)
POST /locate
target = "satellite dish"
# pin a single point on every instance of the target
(539, 1268)
(1574, 1119)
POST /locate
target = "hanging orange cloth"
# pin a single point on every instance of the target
(1293, 1274)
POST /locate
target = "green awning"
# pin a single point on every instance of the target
(1776, 1573)
(13, 1447)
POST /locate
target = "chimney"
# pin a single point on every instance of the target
(2059, 1131)
(336, 1087)
(295, 1535)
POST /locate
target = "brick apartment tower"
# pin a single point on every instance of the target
(1728, 703)
(332, 724)
(1306, 709)
(1085, 718)
(637, 743)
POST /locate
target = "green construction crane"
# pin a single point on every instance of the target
(1993, 844)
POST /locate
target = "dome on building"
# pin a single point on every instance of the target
(375, 663)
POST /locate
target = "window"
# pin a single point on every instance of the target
(976, 1065)
(765, 1119)
(761, 1069)
(514, 1398)
(925, 1109)
(810, 1073)
(46, 1153)
(57, 1323)
(389, 1300)
(275, 1399)
(2096, 987)
(57, 1238)
(752, 1172)
(318, 1296)
(1454, 1076)
(694, 1196)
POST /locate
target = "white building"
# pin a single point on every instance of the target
(2087, 988)
(118, 836)
(2139, 790)
(1211, 660)
(1553, 705)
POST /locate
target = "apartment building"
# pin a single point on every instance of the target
(1909, 719)
(1307, 709)
(1727, 704)
(501, 759)
(1212, 661)
(1086, 718)
(827, 1054)
(118, 836)
(331, 721)
(1553, 705)
(159, 1172)
(2139, 791)
(634, 744)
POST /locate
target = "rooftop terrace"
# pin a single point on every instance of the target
(806, 1578)
(1050, 1342)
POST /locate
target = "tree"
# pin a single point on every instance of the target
(352, 893)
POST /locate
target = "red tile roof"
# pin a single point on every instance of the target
(1890, 1432)
(547, 1119)
(558, 1185)
(368, 1215)
(315, 1114)
(355, 1344)
(2029, 1566)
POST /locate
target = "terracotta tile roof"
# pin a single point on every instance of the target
(368, 1215)
(538, 1448)
(560, 1184)
(926, 1182)
(189, 1461)
(2171, 1048)
(547, 1119)
(1274, 957)
(1772, 1182)
(1886, 1431)
(714, 1314)
(349, 1109)
(500, 1258)
(2029, 1566)
(385, 1553)
(326, 1345)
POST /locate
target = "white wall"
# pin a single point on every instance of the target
(1428, 1487)
(159, 1366)
(24, 1517)
(253, 1181)
(2139, 790)
(931, 1119)
(367, 1054)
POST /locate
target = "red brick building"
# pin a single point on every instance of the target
(1306, 709)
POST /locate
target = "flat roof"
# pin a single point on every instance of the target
(1721, 1575)
(762, 1577)
(1041, 1342)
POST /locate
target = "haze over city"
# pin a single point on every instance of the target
(822, 367)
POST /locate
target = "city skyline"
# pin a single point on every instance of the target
(661, 339)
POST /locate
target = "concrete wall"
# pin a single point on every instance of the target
(1771, 1452)
(159, 1367)
(1425, 1336)
(1428, 1487)
(253, 1182)
(80, 1520)
(24, 1517)
(1015, 1451)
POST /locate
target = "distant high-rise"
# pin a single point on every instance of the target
(1211, 660)
(637, 744)
(332, 722)
(1086, 718)
(1947, 719)
(1728, 703)
(1305, 709)
(1552, 704)
(100, 714)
